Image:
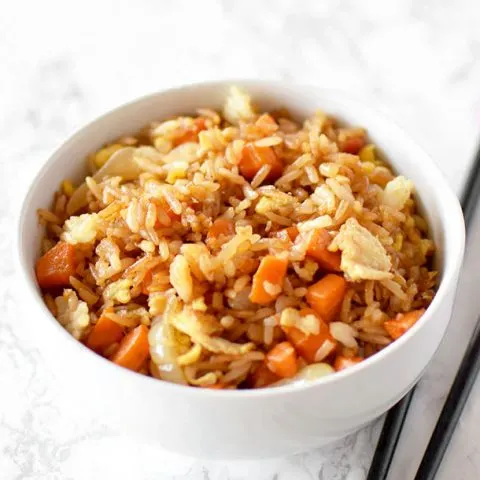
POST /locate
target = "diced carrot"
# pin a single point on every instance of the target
(318, 249)
(253, 158)
(263, 377)
(104, 333)
(292, 232)
(133, 350)
(282, 360)
(221, 226)
(326, 296)
(342, 362)
(273, 271)
(56, 266)
(402, 322)
(306, 345)
(191, 134)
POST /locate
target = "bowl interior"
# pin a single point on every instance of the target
(437, 201)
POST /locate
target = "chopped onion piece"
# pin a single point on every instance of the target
(163, 353)
(120, 164)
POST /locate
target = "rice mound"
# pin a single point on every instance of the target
(173, 224)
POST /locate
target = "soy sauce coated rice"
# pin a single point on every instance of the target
(179, 252)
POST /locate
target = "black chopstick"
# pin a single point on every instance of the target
(395, 418)
(387, 442)
(469, 368)
(452, 410)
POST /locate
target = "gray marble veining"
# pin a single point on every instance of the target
(64, 63)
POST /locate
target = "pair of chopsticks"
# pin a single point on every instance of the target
(459, 391)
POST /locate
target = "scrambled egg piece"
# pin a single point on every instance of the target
(199, 326)
(397, 192)
(81, 229)
(275, 201)
(72, 313)
(108, 263)
(363, 256)
(157, 302)
(191, 322)
(118, 291)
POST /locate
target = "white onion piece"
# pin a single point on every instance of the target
(162, 351)
(343, 333)
(325, 350)
(307, 374)
(120, 164)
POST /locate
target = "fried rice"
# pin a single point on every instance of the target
(237, 249)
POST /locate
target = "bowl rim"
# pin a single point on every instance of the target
(456, 231)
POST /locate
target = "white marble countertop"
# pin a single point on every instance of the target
(63, 63)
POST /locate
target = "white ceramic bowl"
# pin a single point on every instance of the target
(246, 423)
